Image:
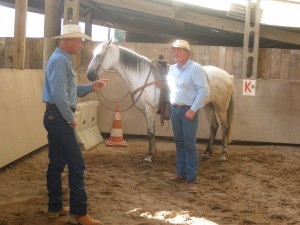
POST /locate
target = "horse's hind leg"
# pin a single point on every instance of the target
(225, 127)
(213, 126)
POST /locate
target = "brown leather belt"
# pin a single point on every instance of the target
(53, 106)
(182, 106)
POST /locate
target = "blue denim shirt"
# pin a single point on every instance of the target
(188, 85)
(60, 84)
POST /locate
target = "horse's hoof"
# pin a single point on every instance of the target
(204, 158)
(148, 159)
(222, 158)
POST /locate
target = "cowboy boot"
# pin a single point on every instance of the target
(63, 212)
(83, 220)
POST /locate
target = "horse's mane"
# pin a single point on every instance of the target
(132, 60)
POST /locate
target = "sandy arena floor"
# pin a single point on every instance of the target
(257, 185)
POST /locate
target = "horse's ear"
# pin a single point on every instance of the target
(110, 41)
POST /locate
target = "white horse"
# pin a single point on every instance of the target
(141, 75)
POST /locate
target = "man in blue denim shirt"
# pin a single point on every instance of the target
(188, 92)
(60, 95)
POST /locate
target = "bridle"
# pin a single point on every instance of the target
(132, 94)
(95, 75)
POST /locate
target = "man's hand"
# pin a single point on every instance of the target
(99, 84)
(74, 123)
(189, 114)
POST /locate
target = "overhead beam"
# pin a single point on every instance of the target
(177, 7)
(201, 19)
(143, 32)
(136, 27)
(157, 28)
(279, 35)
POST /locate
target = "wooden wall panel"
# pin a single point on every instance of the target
(213, 56)
(222, 57)
(143, 49)
(196, 53)
(285, 58)
(34, 50)
(294, 65)
(237, 55)
(204, 55)
(9, 52)
(228, 59)
(275, 64)
(154, 51)
(165, 50)
(264, 68)
(272, 63)
(2, 53)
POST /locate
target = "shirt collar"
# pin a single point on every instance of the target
(185, 65)
(59, 50)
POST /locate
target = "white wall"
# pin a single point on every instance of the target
(271, 116)
(21, 113)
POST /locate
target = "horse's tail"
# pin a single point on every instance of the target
(230, 115)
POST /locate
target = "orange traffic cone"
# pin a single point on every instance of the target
(116, 135)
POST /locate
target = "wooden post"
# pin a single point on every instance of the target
(86, 53)
(53, 9)
(20, 34)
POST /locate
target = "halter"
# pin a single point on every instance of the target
(139, 89)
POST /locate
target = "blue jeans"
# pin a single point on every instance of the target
(64, 150)
(185, 132)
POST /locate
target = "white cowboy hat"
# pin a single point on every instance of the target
(181, 44)
(72, 31)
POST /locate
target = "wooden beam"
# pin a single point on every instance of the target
(279, 35)
(143, 32)
(177, 7)
(201, 19)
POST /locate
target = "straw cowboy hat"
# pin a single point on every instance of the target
(72, 31)
(181, 44)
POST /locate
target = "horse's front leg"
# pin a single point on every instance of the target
(152, 146)
(150, 119)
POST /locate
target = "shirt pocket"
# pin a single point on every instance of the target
(185, 83)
